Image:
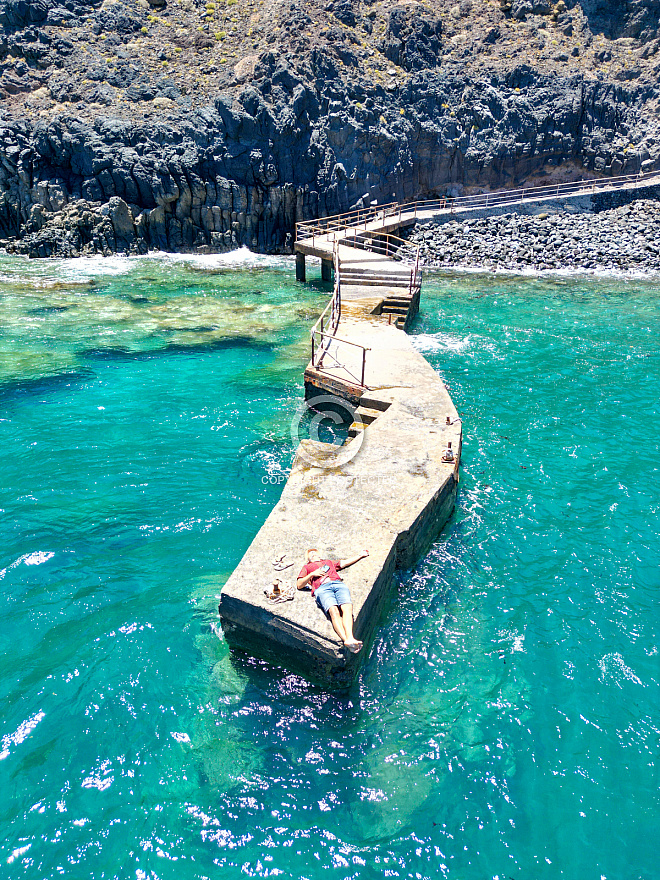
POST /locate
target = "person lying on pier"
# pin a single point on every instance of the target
(331, 593)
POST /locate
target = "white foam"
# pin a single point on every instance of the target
(439, 342)
(77, 269)
(242, 258)
(101, 779)
(84, 268)
(613, 667)
(19, 851)
(180, 737)
(36, 558)
(21, 733)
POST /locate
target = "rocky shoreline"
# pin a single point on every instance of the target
(625, 238)
(187, 126)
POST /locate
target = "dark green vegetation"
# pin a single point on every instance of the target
(219, 124)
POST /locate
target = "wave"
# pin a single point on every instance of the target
(36, 558)
(56, 272)
(242, 258)
(429, 342)
(564, 272)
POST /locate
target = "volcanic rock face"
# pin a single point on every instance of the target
(184, 126)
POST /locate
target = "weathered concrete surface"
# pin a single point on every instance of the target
(392, 497)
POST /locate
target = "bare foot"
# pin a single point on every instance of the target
(353, 647)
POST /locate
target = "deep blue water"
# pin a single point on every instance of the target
(505, 723)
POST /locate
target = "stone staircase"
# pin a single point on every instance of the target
(366, 413)
(401, 298)
(397, 308)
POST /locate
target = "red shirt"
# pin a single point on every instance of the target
(330, 574)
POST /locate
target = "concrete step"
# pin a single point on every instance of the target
(373, 403)
(394, 310)
(398, 301)
(375, 273)
(374, 282)
(401, 286)
(382, 267)
(364, 416)
(367, 414)
(403, 277)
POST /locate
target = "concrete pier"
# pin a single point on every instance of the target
(389, 488)
(326, 270)
(386, 488)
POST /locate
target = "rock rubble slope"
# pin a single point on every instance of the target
(180, 125)
(622, 239)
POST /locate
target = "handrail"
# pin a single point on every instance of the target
(362, 217)
(385, 243)
(335, 314)
(344, 341)
(334, 305)
(357, 222)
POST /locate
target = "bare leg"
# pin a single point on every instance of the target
(337, 622)
(347, 619)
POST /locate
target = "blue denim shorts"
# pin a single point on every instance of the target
(332, 593)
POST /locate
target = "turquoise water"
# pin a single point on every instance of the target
(505, 722)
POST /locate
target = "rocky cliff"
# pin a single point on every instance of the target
(136, 124)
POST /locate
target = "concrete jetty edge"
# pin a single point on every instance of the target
(387, 489)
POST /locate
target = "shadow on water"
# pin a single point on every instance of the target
(15, 389)
(48, 310)
(125, 354)
(281, 684)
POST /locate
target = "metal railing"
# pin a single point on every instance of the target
(324, 335)
(385, 243)
(324, 332)
(391, 246)
(362, 218)
(415, 276)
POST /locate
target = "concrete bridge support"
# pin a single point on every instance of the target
(326, 270)
(300, 267)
